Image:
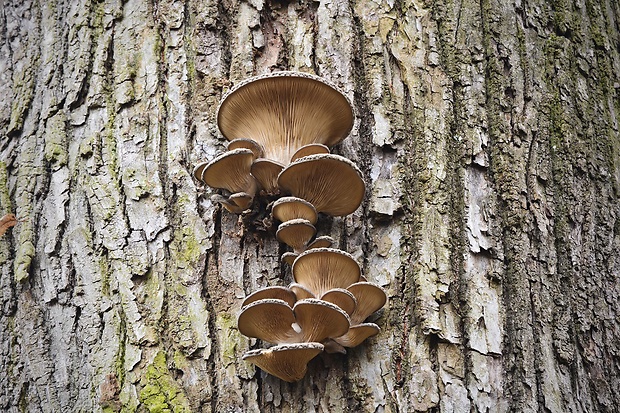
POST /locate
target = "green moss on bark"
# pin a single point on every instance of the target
(160, 392)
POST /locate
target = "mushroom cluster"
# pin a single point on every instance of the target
(280, 127)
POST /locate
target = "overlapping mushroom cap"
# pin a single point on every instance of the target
(288, 362)
(331, 183)
(284, 111)
(322, 269)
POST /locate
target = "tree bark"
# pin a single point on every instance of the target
(488, 135)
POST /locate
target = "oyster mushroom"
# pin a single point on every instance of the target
(284, 111)
(296, 233)
(310, 149)
(322, 269)
(289, 258)
(277, 292)
(357, 334)
(331, 183)
(288, 362)
(324, 241)
(342, 298)
(290, 207)
(370, 298)
(309, 320)
(266, 173)
(246, 143)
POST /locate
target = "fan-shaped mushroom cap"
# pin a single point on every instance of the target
(290, 207)
(357, 334)
(332, 183)
(289, 257)
(296, 233)
(226, 203)
(287, 362)
(266, 173)
(310, 149)
(320, 320)
(284, 111)
(269, 320)
(323, 269)
(324, 241)
(246, 143)
(300, 291)
(231, 171)
(342, 298)
(199, 169)
(242, 199)
(370, 298)
(276, 292)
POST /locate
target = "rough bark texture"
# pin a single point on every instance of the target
(488, 135)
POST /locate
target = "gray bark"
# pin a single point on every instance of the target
(488, 136)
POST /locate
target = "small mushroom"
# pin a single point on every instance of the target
(357, 334)
(322, 269)
(287, 362)
(320, 320)
(300, 291)
(324, 241)
(332, 183)
(290, 207)
(310, 149)
(6, 222)
(242, 199)
(332, 347)
(230, 171)
(284, 111)
(342, 298)
(266, 173)
(246, 143)
(269, 320)
(296, 233)
(289, 257)
(226, 203)
(370, 298)
(276, 292)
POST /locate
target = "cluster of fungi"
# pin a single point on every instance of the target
(280, 127)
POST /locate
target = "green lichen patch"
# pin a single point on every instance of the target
(160, 392)
(56, 140)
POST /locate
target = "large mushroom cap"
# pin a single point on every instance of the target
(370, 298)
(332, 183)
(320, 319)
(284, 111)
(296, 233)
(290, 207)
(266, 173)
(287, 362)
(323, 269)
(357, 334)
(230, 171)
(270, 320)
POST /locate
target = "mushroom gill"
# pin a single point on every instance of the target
(296, 233)
(270, 320)
(246, 143)
(290, 207)
(332, 183)
(288, 362)
(357, 334)
(370, 298)
(310, 149)
(284, 111)
(342, 298)
(266, 173)
(276, 292)
(320, 320)
(322, 269)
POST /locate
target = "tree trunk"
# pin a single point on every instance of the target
(488, 137)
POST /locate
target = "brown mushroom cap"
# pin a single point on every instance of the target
(289, 257)
(370, 298)
(342, 298)
(230, 206)
(310, 149)
(231, 171)
(287, 362)
(332, 183)
(357, 334)
(296, 233)
(290, 207)
(284, 111)
(199, 169)
(276, 292)
(300, 291)
(246, 143)
(269, 320)
(332, 347)
(323, 269)
(266, 173)
(324, 241)
(320, 319)
(242, 199)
